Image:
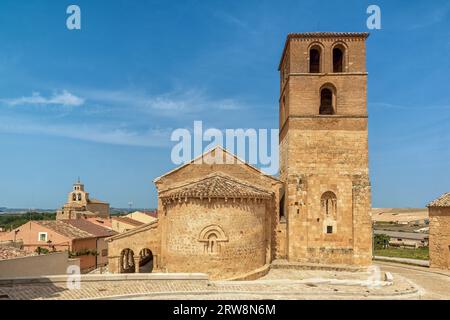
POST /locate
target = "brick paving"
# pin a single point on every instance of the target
(278, 284)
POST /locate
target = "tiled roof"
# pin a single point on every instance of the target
(129, 221)
(93, 200)
(92, 228)
(64, 229)
(216, 185)
(442, 201)
(144, 227)
(11, 252)
(327, 35)
(150, 213)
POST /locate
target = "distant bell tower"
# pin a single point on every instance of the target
(324, 149)
(78, 194)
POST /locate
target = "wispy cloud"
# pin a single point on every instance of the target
(64, 98)
(172, 104)
(231, 19)
(94, 133)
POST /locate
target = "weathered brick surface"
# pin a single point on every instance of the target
(325, 153)
(243, 250)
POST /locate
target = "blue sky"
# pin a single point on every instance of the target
(101, 102)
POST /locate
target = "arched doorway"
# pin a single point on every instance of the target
(145, 261)
(127, 261)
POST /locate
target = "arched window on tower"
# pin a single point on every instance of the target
(79, 197)
(326, 102)
(314, 60)
(338, 59)
(74, 197)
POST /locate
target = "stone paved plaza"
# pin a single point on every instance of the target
(409, 283)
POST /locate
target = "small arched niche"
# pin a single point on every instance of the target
(328, 203)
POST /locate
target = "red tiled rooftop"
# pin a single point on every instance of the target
(92, 228)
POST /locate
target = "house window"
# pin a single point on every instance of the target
(42, 236)
(329, 229)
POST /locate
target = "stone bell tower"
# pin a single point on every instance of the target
(324, 149)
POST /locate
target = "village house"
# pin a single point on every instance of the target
(411, 240)
(123, 224)
(143, 216)
(81, 239)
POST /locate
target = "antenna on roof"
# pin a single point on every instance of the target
(78, 179)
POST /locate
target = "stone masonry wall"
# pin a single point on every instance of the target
(440, 237)
(242, 250)
(326, 153)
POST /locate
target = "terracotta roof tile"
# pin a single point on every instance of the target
(92, 228)
(64, 229)
(216, 185)
(93, 200)
(296, 35)
(442, 201)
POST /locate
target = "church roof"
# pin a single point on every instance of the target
(442, 201)
(217, 148)
(93, 200)
(216, 185)
(327, 35)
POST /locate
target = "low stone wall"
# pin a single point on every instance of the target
(414, 262)
(253, 275)
(36, 266)
(201, 277)
(284, 264)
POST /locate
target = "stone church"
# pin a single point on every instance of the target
(230, 220)
(80, 205)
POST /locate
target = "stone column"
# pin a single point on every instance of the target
(136, 263)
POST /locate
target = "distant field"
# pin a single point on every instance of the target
(399, 214)
(10, 221)
(419, 253)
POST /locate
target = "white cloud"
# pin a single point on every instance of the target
(190, 102)
(64, 98)
(93, 133)
(172, 104)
